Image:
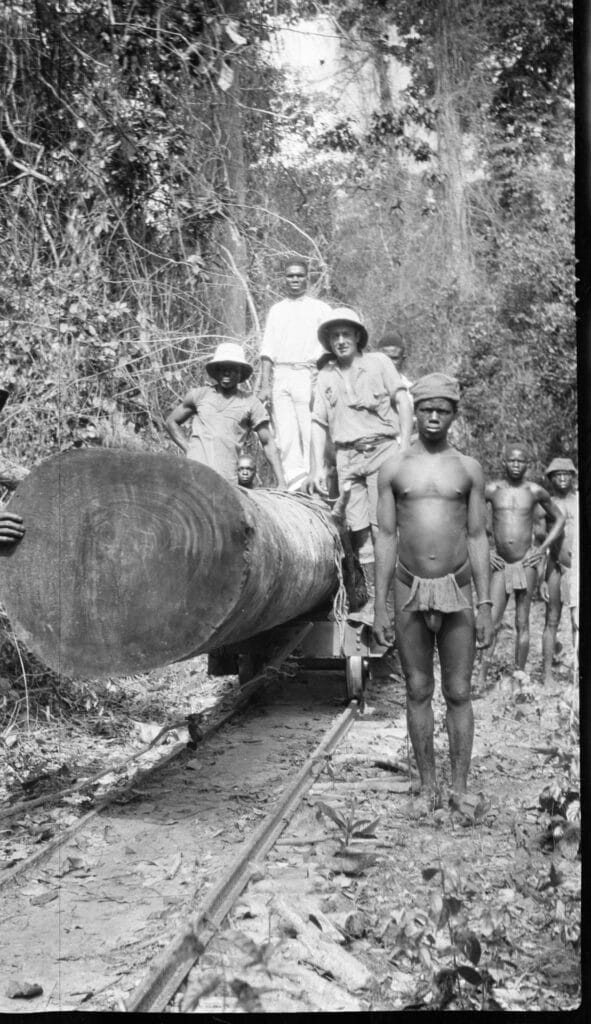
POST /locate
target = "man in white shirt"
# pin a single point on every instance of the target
(288, 355)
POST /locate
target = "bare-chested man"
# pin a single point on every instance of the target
(515, 558)
(432, 532)
(562, 572)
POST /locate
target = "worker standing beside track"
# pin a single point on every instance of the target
(432, 536)
(361, 403)
(561, 585)
(222, 417)
(289, 352)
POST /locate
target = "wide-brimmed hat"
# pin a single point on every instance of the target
(229, 352)
(341, 315)
(561, 466)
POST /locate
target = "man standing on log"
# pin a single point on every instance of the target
(515, 558)
(222, 416)
(11, 526)
(289, 352)
(432, 534)
(361, 404)
(561, 585)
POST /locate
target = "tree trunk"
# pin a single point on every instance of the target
(450, 146)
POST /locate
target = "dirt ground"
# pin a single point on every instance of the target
(478, 910)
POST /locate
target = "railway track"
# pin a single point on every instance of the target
(113, 915)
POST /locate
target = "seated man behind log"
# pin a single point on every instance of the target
(431, 520)
(222, 416)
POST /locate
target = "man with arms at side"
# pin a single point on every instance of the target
(432, 535)
(222, 416)
(289, 353)
(515, 559)
(361, 405)
(561, 585)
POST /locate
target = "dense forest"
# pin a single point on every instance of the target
(159, 162)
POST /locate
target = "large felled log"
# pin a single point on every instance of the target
(135, 560)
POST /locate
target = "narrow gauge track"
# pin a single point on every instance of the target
(86, 922)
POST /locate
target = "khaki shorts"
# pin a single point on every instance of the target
(362, 469)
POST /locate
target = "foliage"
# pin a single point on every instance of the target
(157, 167)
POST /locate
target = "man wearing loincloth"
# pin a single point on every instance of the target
(561, 584)
(222, 417)
(514, 559)
(11, 525)
(432, 536)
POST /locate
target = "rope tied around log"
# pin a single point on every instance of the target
(340, 602)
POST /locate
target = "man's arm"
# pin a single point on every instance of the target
(489, 496)
(265, 386)
(319, 435)
(478, 553)
(385, 552)
(178, 416)
(271, 454)
(402, 406)
(551, 511)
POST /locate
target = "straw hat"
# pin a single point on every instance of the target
(230, 353)
(340, 315)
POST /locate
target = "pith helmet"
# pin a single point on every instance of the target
(229, 352)
(340, 315)
(561, 466)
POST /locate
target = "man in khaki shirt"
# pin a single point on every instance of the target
(361, 404)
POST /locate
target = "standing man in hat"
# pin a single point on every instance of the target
(222, 416)
(561, 585)
(515, 557)
(288, 359)
(11, 526)
(361, 405)
(432, 535)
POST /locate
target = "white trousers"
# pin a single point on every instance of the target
(292, 419)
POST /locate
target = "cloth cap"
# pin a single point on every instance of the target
(435, 385)
(3, 398)
(340, 315)
(391, 340)
(229, 352)
(561, 466)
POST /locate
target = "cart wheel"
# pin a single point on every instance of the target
(355, 675)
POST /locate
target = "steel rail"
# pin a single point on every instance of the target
(258, 682)
(171, 967)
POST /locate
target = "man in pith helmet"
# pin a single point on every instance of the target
(361, 406)
(222, 416)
